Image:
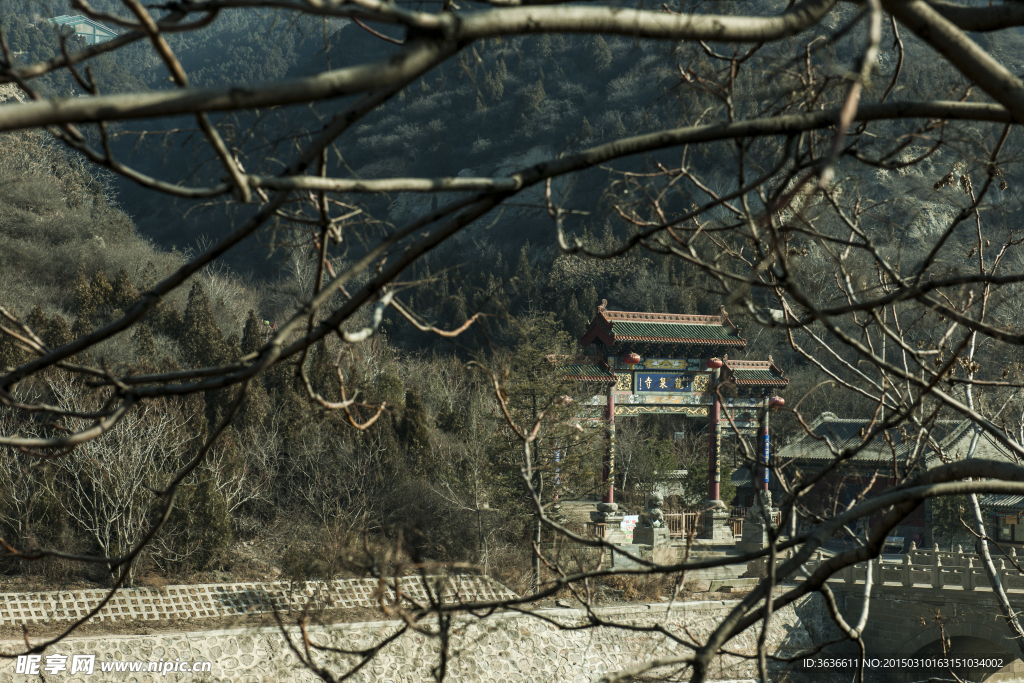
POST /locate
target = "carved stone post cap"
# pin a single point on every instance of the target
(607, 507)
(913, 546)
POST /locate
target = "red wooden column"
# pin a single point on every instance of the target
(714, 433)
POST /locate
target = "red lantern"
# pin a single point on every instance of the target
(631, 358)
(776, 402)
(714, 363)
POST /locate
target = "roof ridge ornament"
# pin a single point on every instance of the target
(726, 319)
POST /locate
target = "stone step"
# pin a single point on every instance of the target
(733, 584)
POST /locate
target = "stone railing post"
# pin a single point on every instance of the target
(960, 556)
(848, 574)
(907, 581)
(1002, 571)
(877, 570)
(937, 570)
(969, 575)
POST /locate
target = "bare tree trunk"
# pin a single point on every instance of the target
(536, 535)
(979, 523)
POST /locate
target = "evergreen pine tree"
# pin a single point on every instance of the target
(586, 130)
(58, 332)
(83, 296)
(37, 322)
(544, 46)
(81, 327)
(169, 321)
(209, 523)
(533, 98)
(527, 281)
(202, 343)
(415, 432)
(494, 84)
(124, 293)
(234, 347)
(600, 54)
(148, 278)
(574, 319)
(145, 347)
(255, 406)
(102, 292)
(588, 302)
(252, 335)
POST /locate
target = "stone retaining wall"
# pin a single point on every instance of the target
(502, 648)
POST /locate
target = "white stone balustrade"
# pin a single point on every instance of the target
(929, 568)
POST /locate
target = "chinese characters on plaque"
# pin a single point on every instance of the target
(663, 382)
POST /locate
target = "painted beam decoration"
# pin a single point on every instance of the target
(691, 411)
(667, 364)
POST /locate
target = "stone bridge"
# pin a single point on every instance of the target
(929, 596)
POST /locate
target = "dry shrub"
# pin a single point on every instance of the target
(638, 587)
(154, 581)
(512, 567)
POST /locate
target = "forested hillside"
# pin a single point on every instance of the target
(433, 466)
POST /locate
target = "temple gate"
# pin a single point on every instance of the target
(677, 364)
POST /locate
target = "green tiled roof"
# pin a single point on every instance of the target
(74, 20)
(628, 330)
(758, 376)
(585, 372)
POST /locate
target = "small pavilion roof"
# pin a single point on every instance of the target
(753, 373)
(612, 327)
(583, 369)
(1002, 501)
(75, 19)
(951, 438)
